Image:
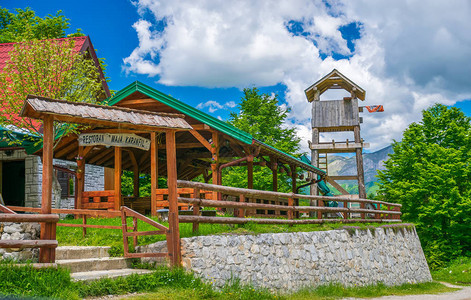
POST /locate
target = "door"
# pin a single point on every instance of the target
(13, 182)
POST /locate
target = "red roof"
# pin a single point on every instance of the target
(82, 44)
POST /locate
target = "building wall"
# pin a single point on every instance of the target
(290, 261)
(94, 179)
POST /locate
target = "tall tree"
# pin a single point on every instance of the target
(24, 25)
(49, 68)
(262, 117)
(429, 173)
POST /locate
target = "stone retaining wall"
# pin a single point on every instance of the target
(289, 261)
(19, 231)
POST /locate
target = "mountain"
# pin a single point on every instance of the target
(372, 162)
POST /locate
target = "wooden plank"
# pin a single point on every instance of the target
(47, 218)
(361, 174)
(21, 244)
(95, 213)
(140, 255)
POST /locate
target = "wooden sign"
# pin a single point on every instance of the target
(114, 139)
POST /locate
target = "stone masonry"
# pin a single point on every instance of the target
(19, 231)
(94, 179)
(290, 261)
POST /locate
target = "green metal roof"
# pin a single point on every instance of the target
(183, 108)
(209, 120)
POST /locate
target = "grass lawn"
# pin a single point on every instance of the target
(113, 237)
(458, 272)
(173, 284)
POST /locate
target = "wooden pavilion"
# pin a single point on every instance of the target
(208, 146)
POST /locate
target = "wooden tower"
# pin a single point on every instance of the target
(337, 116)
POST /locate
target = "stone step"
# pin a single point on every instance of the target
(94, 275)
(95, 264)
(81, 252)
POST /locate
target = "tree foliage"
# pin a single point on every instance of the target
(48, 68)
(24, 25)
(262, 117)
(429, 173)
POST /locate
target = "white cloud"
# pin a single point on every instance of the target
(213, 106)
(409, 55)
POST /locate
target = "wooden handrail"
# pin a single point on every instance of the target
(127, 212)
(268, 195)
(230, 220)
(6, 210)
(43, 244)
(231, 204)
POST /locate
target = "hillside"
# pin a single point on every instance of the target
(372, 162)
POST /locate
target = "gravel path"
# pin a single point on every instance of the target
(463, 294)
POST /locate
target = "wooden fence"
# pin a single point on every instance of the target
(45, 245)
(249, 200)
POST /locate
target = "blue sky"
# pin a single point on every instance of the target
(406, 56)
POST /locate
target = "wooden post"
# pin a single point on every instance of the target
(360, 172)
(314, 162)
(196, 209)
(172, 197)
(47, 255)
(117, 177)
(290, 204)
(250, 172)
(134, 229)
(154, 180)
(241, 210)
(84, 222)
(80, 178)
(294, 175)
(274, 170)
(215, 164)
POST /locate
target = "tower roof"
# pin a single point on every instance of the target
(333, 80)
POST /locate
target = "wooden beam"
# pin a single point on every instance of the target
(345, 177)
(200, 127)
(337, 186)
(102, 154)
(185, 146)
(202, 140)
(359, 159)
(274, 170)
(47, 255)
(117, 177)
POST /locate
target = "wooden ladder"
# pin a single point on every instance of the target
(322, 161)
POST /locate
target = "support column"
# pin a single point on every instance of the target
(294, 175)
(80, 177)
(135, 171)
(250, 172)
(48, 231)
(314, 162)
(172, 198)
(274, 170)
(154, 173)
(215, 164)
(117, 177)
(359, 159)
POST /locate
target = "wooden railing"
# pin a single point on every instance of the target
(47, 246)
(124, 213)
(127, 212)
(247, 202)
